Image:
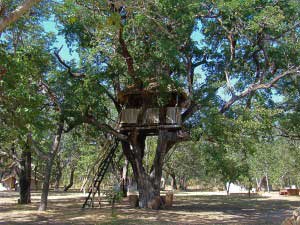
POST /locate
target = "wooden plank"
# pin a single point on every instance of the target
(151, 116)
(153, 127)
(173, 115)
(129, 116)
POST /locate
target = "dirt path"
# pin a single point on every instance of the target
(189, 208)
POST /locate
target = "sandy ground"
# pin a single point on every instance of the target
(188, 208)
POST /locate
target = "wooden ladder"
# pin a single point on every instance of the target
(100, 173)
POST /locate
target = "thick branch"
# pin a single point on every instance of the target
(69, 69)
(285, 133)
(104, 127)
(229, 86)
(256, 86)
(3, 153)
(72, 125)
(194, 107)
(51, 94)
(17, 13)
(128, 58)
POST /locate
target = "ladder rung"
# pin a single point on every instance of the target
(100, 174)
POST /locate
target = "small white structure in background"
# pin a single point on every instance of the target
(235, 188)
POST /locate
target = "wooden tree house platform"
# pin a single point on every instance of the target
(150, 119)
(151, 109)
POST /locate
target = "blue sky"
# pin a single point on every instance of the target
(66, 53)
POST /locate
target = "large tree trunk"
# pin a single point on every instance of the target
(148, 184)
(25, 175)
(71, 181)
(49, 164)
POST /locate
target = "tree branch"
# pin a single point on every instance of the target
(17, 13)
(82, 75)
(194, 107)
(285, 133)
(256, 86)
(51, 94)
(128, 58)
(104, 127)
(69, 69)
(32, 144)
(3, 153)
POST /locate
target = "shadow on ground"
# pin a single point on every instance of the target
(65, 208)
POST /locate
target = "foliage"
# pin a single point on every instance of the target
(237, 61)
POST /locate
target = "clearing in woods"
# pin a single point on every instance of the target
(189, 208)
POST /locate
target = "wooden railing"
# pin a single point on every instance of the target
(131, 117)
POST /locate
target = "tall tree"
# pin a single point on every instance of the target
(244, 50)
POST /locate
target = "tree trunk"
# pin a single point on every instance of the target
(249, 190)
(58, 176)
(257, 184)
(148, 184)
(261, 183)
(57, 180)
(228, 188)
(182, 183)
(25, 176)
(35, 175)
(267, 180)
(124, 182)
(71, 179)
(173, 182)
(48, 169)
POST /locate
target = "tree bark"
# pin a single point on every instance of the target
(228, 188)
(148, 184)
(17, 13)
(249, 190)
(58, 176)
(267, 181)
(48, 169)
(25, 175)
(182, 183)
(173, 182)
(124, 181)
(35, 175)
(71, 179)
(260, 184)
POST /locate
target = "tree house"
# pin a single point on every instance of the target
(151, 109)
